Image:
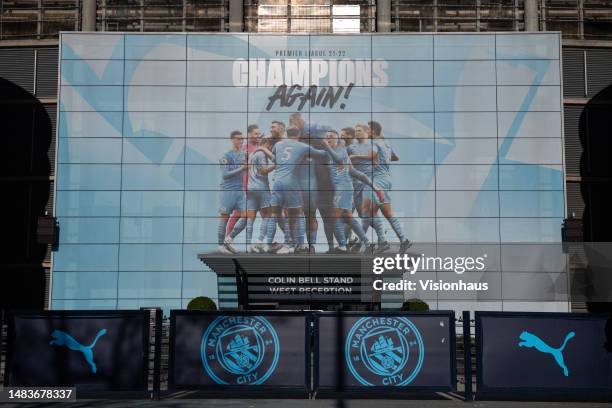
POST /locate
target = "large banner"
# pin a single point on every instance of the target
(550, 352)
(93, 351)
(386, 351)
(246, 350)
(174, 145)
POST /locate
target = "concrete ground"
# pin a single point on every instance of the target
(320, 403)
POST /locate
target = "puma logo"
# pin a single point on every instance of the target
(531, 340)
(61, 338)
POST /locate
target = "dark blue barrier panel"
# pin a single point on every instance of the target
(550, 354)
(251, 351)
(89, 350)
(385, 351)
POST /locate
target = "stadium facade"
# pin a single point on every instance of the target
(134, 185)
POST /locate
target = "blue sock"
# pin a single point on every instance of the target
(239, 227)
(263, 229)
(221, 230)
(271, 230)
(379, 228)
(328, 227)
(356, 226)
(300, 230)
(339, 231)
(365, 223)
(249, 230)
(312, 233)
(397, 228)
(283, 223)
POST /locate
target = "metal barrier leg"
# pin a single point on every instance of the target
(157, 354)
(467, 356)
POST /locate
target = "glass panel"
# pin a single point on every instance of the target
(153, 150)
(217, 47)
(465, 98)
(528, 72)
(413, 99)
(530, 177)
(155, 47)
(145, 257)
(531, 151)
(152, 177)
(154, 98)
(531, 203)
(154, 124)
(531, 229)
(464, 47)
(529, 124)
(465, 125)
(84, 257)
(467, 229)
(87, 203)
(402, 47)
(155, 72)
(92, 72)
(467, 204)
(464, 73)
(91, 98)
(467, 151)
(466, 177)
(406, 125)
(88, 176)
(93, 285)
(92, 46)
(90, 124)
(152, 203)
(89, 150)
(156, 230)
(89, 230)
(522, 98)
(217, 99)
(149, 285)
(524, 46)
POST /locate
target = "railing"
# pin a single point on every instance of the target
(34, 19)
(457, 16)
(162, 15)
(580, 19)
(324, 16)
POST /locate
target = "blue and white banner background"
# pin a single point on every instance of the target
(475, 120)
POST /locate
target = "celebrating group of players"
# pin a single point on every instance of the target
(293, 172)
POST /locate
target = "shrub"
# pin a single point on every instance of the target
(201, 303)
(414, 305)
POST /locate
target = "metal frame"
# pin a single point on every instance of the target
(68, 13)
(82, 314)
(157, 354)
(433, 14)
(386, 392)
(244, 390)
(522, 393)
(467, 356)
(1, 339)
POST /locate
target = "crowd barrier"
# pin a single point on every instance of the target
(556, 355)
(306, 354)
(89, 350)
(385, 351)
(252, 351)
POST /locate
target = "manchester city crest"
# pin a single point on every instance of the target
(384, 351)
(240, 350)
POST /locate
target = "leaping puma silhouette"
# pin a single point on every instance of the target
(61, 338)
(531, 340)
